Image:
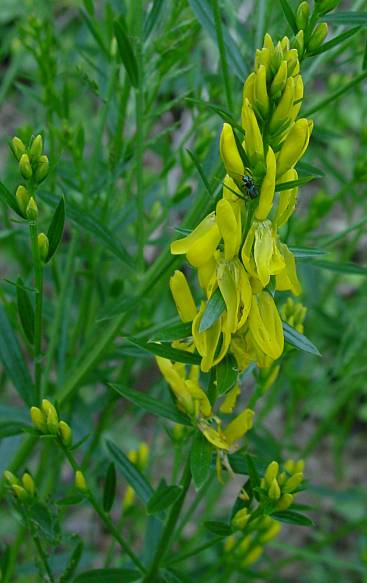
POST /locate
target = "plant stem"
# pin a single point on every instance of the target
(102, 514)
(165, 540)
(38, 276)
(222, 53)
(139, 113)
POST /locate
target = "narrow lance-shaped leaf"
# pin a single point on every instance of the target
(163, 497)
(109, 488)
(200, 459)
(214, 309)
(108, 576)
(9, 199)
(126, 53)
(166, 351)
(299, 340)
(227, 374)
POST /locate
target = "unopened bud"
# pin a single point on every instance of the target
(293, 482)
(80, 482)
(17, 147)
(66, 433)
(274, 490)
(36, 148)
(28, 484)
(280, 79)
(240, 519)
(10, 478)
(19, 492)
(182, 296)
(52, 418)
(38, 419)
(318, 37)
(298, 42)
(285, 501)
(22, 197)
(43, 245)
(42, 169)
(25, 166)
(302, 15)
(271, 472)
(32, 210)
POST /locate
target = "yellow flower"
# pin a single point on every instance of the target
(206, 342)
(236, 290)
(230, 228)
(265, 325)
(287, 279)
(182, 295)
(230, 400)
(294, 146)
(201, 244)
(260, 254)
(239, 426)
(229, 152)
(267, 187)
(287, 199)
(253, 141)
(261, 92)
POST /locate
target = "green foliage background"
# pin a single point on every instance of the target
(119, 137)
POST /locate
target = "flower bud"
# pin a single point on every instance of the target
(19, 492)
(25, 166)
(38, 419)
(42, 169)
(18, 148)
(299, 42)
(10, 478)
(28, 484)
(280, 79)
(302, 15)
(66, 433)
(261, 93)
(274, 490)
(80, 482)
(32, 210)
(36, 148)
(43, 245)
(22, 197)
(285, 501)
(324, 6)
(318, 36)
(294, 146)
(271, 472)
(293, 482)
(182, 296)
(240, 519)
(51, 416)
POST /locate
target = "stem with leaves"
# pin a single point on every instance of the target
(38, 278)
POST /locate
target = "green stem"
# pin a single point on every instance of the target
(102, 514)
(38, 546)
(165, 540)
(139, 113)
(38, 276)
(222, 53)
(196, 551)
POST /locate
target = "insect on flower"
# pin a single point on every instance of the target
(250, 186)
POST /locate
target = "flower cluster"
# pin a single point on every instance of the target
(254, 526)
(46, 421)
(236, 250)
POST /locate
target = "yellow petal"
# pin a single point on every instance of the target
(265, 325)
(287, 279)
(229, 290)
(287, 199)
(198, 395)
(215, 438)
(261, 92)
(283, 110)
(230, 400)
(229, 152)
(201, 243)
(228, 227)
(267, 187)
(253, 139)
(182, 295)
(239, 426)
(294, 146)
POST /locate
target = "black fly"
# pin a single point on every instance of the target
(250, 187)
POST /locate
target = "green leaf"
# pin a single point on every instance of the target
(40, 514)
(347, 268)
(354, 17)
(10, 427)
(201, 172)
(25, 311)
(95, 32)
(204, 15)
(293, 183)
(56, 229)
(219, 528)
(218, 109)
(163, 497)
(166, 351)
(152, 404)
(9, 199)
(152, 17)
(132, 475)
(172, 332)
(109, 492)
(227, 374)
(293, 517)
(306, 169)
(214, 309)
(336, 94)
(288, 13)
(200, 460)
(108, 576)
(72, 563)
(335, 41)
(304, 252)
(13, 361)
(299, 340)
(126, 53)
(91, 224)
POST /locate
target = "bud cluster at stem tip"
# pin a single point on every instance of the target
(46, 420)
